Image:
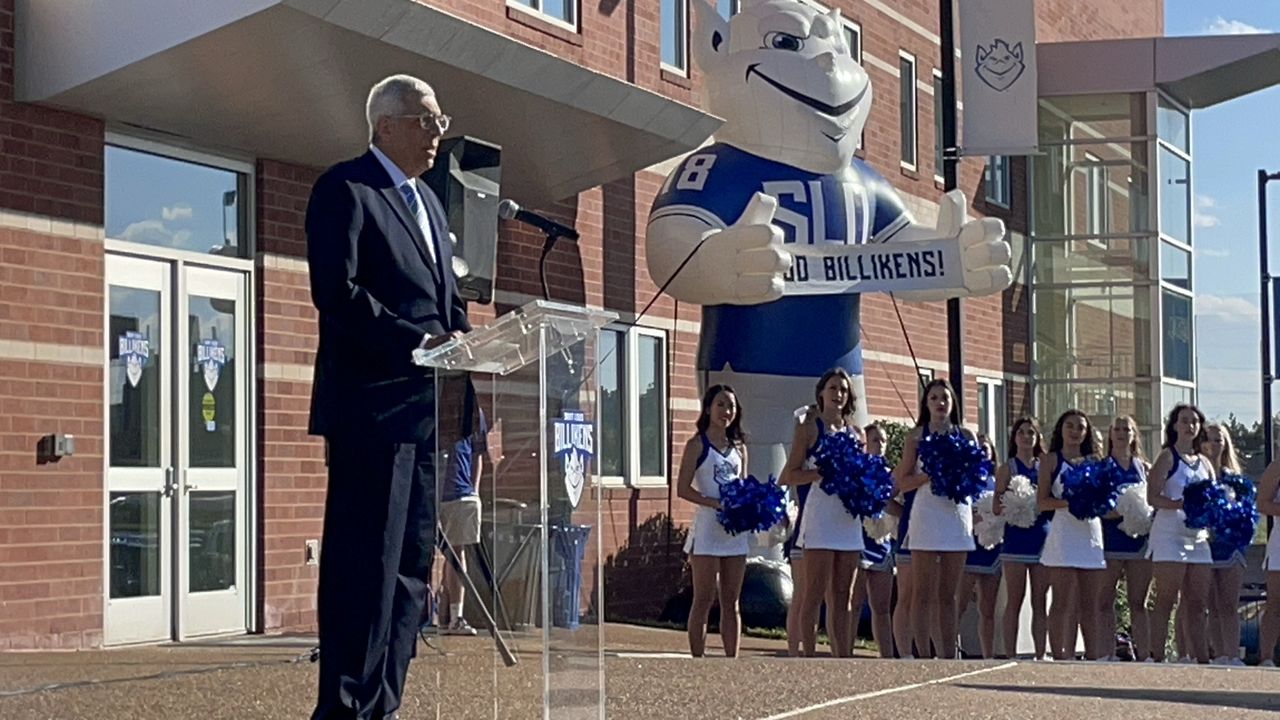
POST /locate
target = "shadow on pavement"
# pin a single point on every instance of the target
(1214, 698)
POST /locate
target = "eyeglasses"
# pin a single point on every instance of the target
(430, 121)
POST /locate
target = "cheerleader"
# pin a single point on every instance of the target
(1269, 504)
(941, 532)
(795, 558)
(1228, 562)
(1020, 554)
(874, 583)
(982, 570)
(1126, 555)
(1183, 563)
(1073, 549)
(830, 536)
(902, 631)
(716, 455)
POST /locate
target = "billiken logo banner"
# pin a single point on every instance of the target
(574, 445)
(998, 56)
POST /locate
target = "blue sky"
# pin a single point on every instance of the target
(1230, 143)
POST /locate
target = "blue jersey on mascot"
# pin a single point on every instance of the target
(782, 177)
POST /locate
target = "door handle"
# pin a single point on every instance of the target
(170, 484)
(188, 486)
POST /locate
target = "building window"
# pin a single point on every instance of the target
(675, 34)
(937, 126)
(633, 406)
(178, 201)
(1175, 195)
(907, 108)
(728, 8)
(997, 180)
(992, 420)
(1176, 326)
(564, 11)
(925, 376)
(1175, 265)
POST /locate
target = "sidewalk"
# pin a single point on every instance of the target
(267, 677)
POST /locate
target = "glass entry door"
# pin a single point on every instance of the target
(212, 437)
(140, 480)
(177, 469)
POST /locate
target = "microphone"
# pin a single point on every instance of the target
(511, 210)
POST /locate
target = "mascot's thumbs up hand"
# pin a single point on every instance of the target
(742, 264)
(984, 253)
(752, 250)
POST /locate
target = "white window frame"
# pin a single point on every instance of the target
(630, 346)
(682, 37)
(534, 7)
(993, 390)
(939, 154)
(735, 7)
(998, 190)
(924, 376)
(914, 144)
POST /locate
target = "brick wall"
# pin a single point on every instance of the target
(291, 471)
(51, 350)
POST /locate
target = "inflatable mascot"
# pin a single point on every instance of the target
(776, 228)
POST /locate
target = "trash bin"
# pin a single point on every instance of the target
(568, 549)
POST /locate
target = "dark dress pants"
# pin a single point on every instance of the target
(375, 565)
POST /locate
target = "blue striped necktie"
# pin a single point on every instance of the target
(420, 215)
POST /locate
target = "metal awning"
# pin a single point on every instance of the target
(1197, 71)
(287, 79)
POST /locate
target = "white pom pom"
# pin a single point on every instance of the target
(988, 528)
(882, 528)
(1135, 512)
(1019, 505)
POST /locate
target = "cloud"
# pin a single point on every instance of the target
(1210, 253)
(1226, 308)
(179, 212)
(1221, 26)
(154, 232)
(1200, 214)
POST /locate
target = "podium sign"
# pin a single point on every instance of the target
(516, 432)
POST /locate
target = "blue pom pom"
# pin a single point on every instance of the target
(1243, 488)
(1202, 503)
(957, 466)
(863, 482)
(748, 505)
(1237, 514)
(1092, 488)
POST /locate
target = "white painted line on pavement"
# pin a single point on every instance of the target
(652, 655)
(886, 691)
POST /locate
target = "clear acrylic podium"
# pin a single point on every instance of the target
(516, 407)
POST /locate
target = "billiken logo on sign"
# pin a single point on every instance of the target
(134, 349)
(575, 445)
(1000, 66)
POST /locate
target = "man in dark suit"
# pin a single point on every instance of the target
(380, 259)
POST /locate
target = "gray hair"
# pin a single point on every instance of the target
(394, 95)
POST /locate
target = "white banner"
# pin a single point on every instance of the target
(998, 56)
(831, 268)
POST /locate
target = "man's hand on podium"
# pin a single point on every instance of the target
(432, 341)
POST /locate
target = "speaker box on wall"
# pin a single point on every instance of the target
(467, 176)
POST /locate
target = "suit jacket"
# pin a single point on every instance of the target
(379, 294)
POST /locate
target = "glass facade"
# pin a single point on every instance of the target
(1111, 266)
